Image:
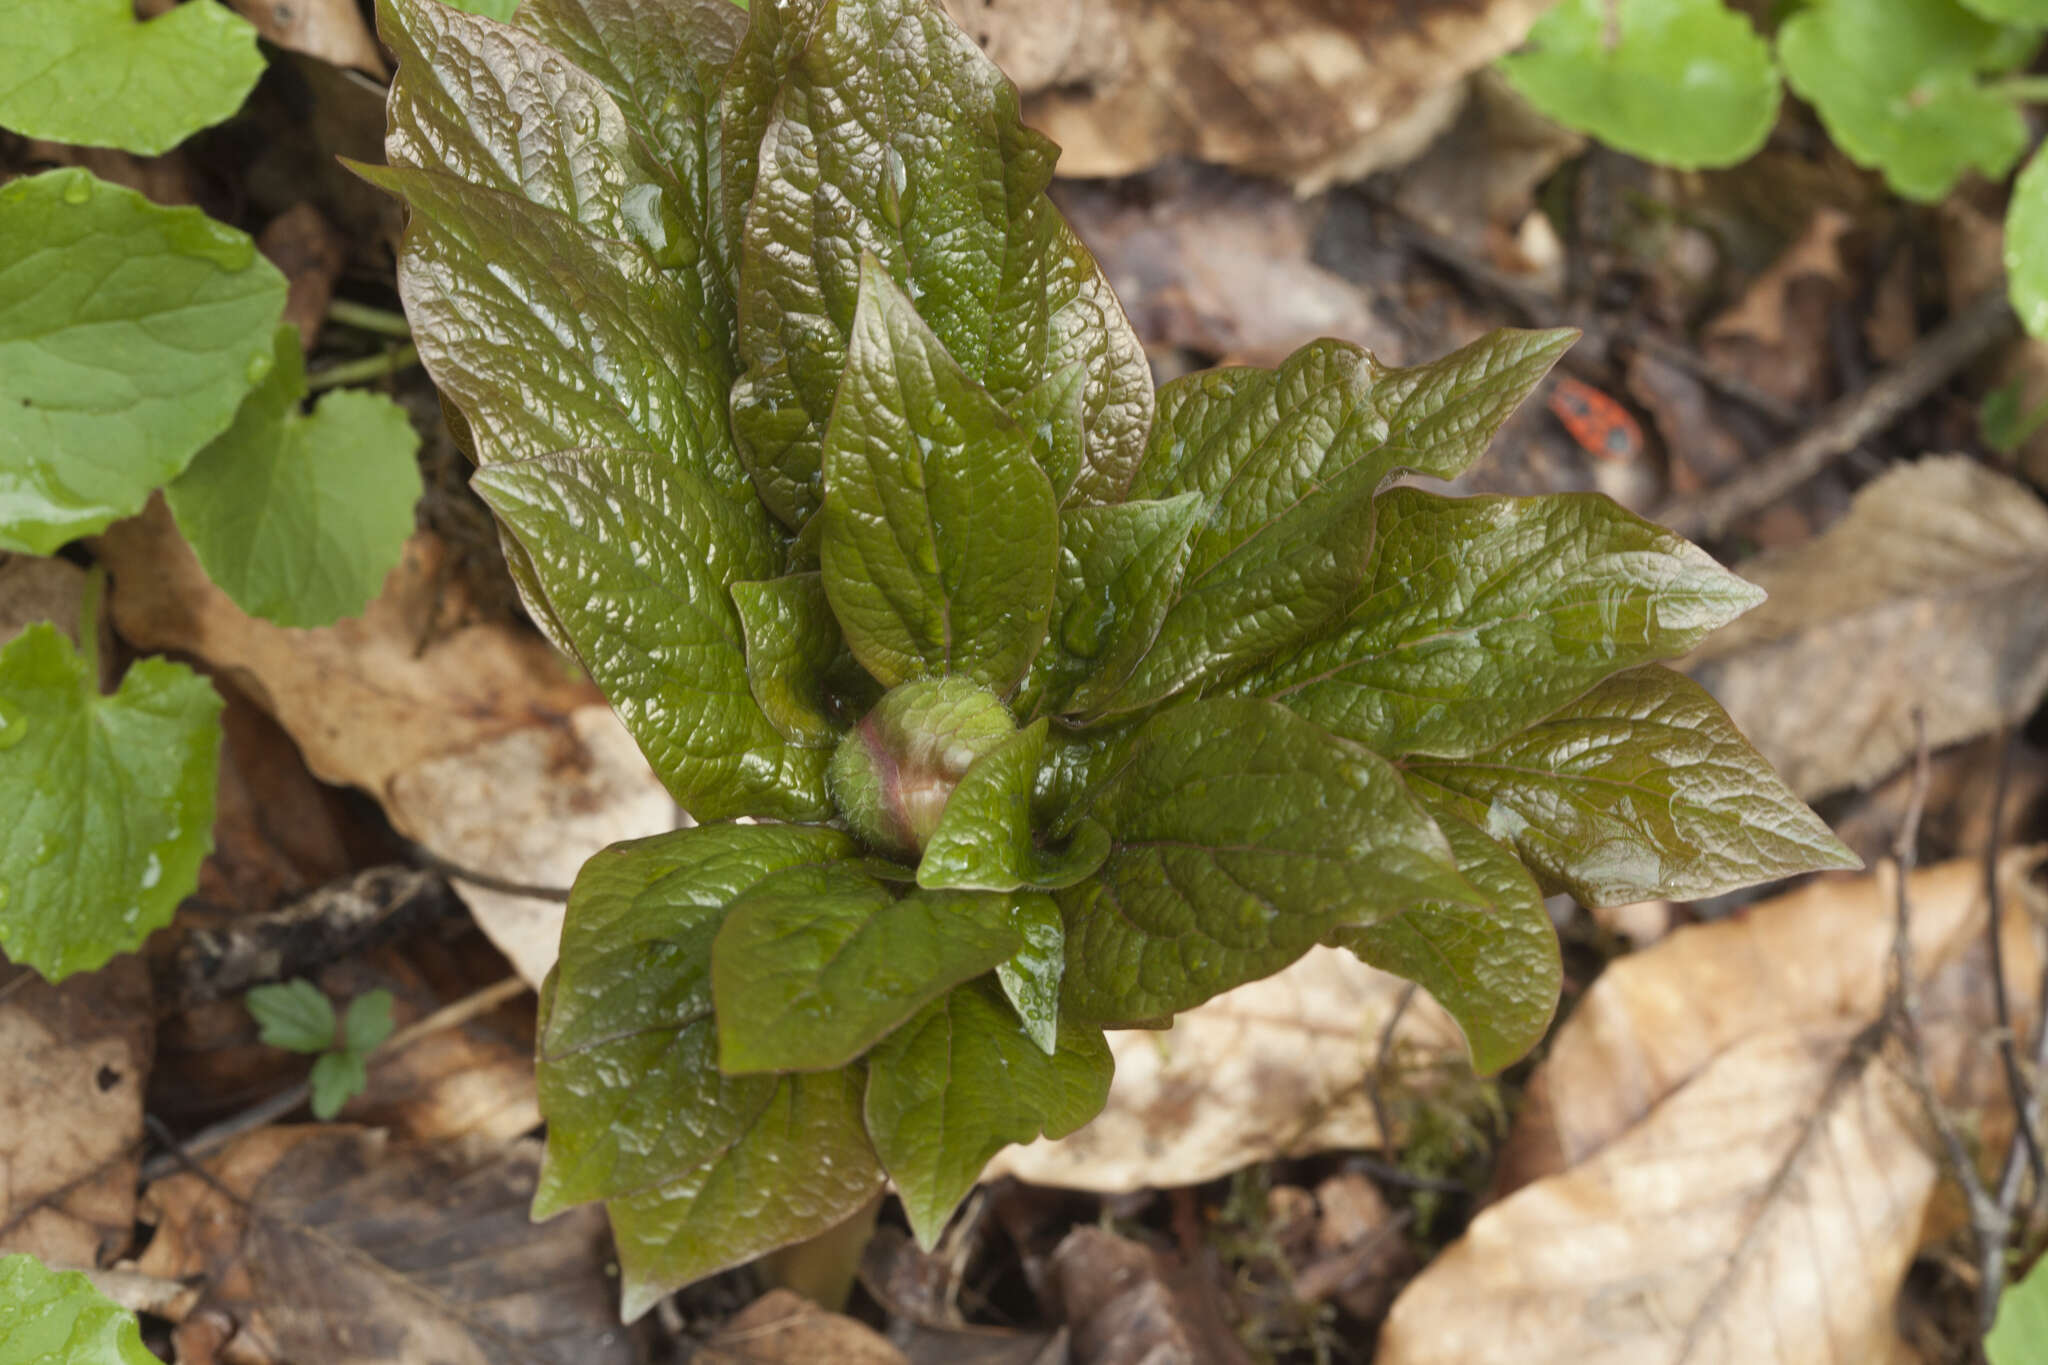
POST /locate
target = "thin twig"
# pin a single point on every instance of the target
(426, 857)
(1379, 1067)
(1849, 421)
(269, 1111)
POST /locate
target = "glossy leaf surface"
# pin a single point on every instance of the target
(815, 964)
(91, 864)
(1484, 615)
(1641, 788)
(1031, 980)
(793, 642)
(984, 840)
(940, 539)
(960, 1082)
(1119, 566)
(893, 134)
(299, 517)
(1239, 831)
(128, 335)
(88, 72)
(1685, 83)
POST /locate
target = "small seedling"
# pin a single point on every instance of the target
(297, 1016)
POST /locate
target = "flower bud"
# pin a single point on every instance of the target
(894, 771)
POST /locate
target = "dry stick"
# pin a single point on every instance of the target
(1903, 1012)
(1849, 421)
(426, 857)
(1994, 897)
(262, 1115)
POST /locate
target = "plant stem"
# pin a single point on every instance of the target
(364, 318)
(2027, 88)
(823, 1268)
(89, 627)
(368, 368)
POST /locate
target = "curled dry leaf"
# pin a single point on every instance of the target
(327, 1244)
(332, 30)
(1929, 593)
(1720, 1160)
(1127, 1304)
(782, 1328)
(1275, 1068)
(76, 1056)
(477, 741)
(311, 252)
(1310, 92)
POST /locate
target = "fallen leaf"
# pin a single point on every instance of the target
(311, 252)
(1305, 91)
(1275, 1068)
(1220, 264)
(477, 740)
(76, 1059)
(1776, 335)
(34, 589)
(328, 1244)
(1932, 592)
(1126, 1304)
(1718, 1161)
(782, 1328)
(332, 30)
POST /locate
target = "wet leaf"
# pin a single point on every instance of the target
(87, 72)
(128, 335)
(92, 865)
(984, 840)
(793, 642)
(47, 1315)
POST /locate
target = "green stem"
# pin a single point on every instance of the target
(368, 368)
(367, 319)
(2026, 88)
(823, 1268)
(89, 627)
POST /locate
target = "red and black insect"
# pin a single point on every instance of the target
(1596, 421)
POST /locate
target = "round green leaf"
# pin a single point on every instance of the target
(128, 335)
(110, 801)
(299, 518)
(295, 1015)
(57, 1318)
(2026, 246)
(85, 71)
(2019, 1336)
(1686, 83)
(1896, 83)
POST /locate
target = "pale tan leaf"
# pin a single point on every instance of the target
(782, 1328)
(1309, 92)
(74, 1061)
(477, 740)
(1931, 592)
(332, 30)
(1274, 1068)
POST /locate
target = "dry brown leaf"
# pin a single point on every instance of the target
(1776, 334)
(477, 741)
(74, 1059)
(1719, 1162)
(1220, 264)
(328, 1244)
(1272, 1069)
(1931, 592)
(1129, 1305)
(35, 589)
(311, 252)
(332, 30)
(782, 1328)
(1307, 90)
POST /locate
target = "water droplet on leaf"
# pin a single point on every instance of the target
(152, 873)
(259, 366)
(13, 726)
(78, 191)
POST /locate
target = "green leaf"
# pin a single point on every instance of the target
(1243, 835)
(893, 118)
(1483, 615)
(1118, 567)
(295, 1015)
(2026, 246)
(815, 964)
(95, 861)
(940, 530)
(86, 72)
(793, 644)
(128, 335)
(300, 518)
(1685, 83)
(801, 1165)
(2019, 1335)
(501, 10)
(960, 1082)
(1897, 84)
(337, 1078)
(1031, 979)
(2031, 13)
(1056, 415)
(1641, 789)
(368, 1021)
(1495, 968)
(983, 841)
(636, 555)
(776, 36)
(1287, 462)
(49, 1317)
(627, 1059)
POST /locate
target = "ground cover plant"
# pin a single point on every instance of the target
(1016, 700)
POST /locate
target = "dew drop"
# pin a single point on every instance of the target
(131, 914)
(13, 726)
(895, 182)
(45, 849)
(78, 190)
(152, 873)
(258, 366)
